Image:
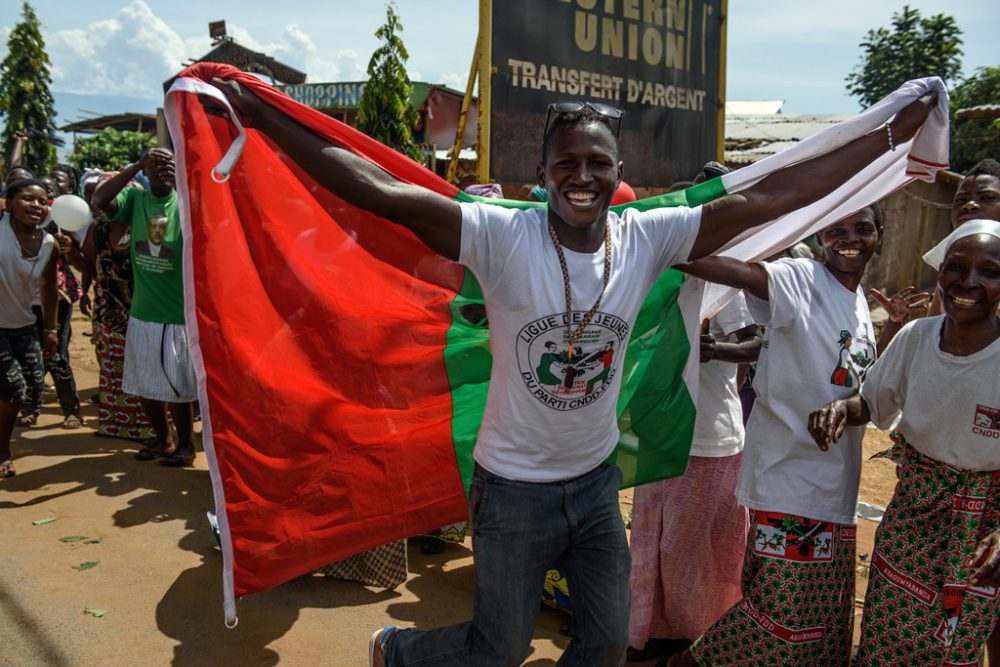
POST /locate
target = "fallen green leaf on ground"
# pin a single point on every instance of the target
(86, 566)
(72, 538)
(42, 522)
(96, 613)
(95, 540)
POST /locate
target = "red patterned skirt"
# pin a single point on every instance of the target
(798, 597)
(920, 609)
(119, 415)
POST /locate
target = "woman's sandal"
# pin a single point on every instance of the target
(26, 421)
(7, 469)
(72, 422)
(154, 449)
(179, 460)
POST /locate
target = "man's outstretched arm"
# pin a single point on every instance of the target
(436, 220)
(799, 185)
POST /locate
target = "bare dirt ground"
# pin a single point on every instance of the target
(157, 571)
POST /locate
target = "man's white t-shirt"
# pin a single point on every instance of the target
(818, 345)
(950, 404)
(535, 428)
(718, 429)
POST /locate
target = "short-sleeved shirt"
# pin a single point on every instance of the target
(718, 429)
(818, 345)
(549, 416)
(950, 404)
(20, 278)
(157, 267)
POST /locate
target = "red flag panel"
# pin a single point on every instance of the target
(320, 330)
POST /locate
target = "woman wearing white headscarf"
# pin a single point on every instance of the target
(933, 600)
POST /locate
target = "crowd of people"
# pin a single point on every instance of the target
(129, 254)
(746, 559)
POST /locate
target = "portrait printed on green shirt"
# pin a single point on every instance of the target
(155, 252)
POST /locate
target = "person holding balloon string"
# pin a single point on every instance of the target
(65, 215)
(27, 265)
(57, 364)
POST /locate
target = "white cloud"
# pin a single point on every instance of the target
(297, 48)
(296, 38)
(454, 80)
(131, 54)
(243, 37)
(346, 65)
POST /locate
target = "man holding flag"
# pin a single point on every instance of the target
(573, 274)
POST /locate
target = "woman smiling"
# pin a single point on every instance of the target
(27, 264)
(937, 550)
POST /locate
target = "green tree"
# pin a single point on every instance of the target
(25, 99)
(974, 139)
(111, 149)
(915, 47)
(385, 112)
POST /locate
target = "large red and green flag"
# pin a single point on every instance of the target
(343, 365)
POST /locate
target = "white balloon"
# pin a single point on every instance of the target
(70, 212)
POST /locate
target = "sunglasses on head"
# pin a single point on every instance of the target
(611, 113)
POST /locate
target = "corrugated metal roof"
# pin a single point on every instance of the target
(136, 122)
(751, 137)
(753, 107)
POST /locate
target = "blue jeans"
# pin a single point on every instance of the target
(518, 530)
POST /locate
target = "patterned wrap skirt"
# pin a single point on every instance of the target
(383, 567)
(920, 608)
(798, 598)
(119, 415)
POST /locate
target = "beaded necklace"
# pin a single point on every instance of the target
(569, 296)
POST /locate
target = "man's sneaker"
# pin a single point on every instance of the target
(376, 645)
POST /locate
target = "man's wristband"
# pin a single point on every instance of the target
(51, 331)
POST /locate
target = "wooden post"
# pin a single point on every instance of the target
(463, 117)
(720, 132)
(485, 93)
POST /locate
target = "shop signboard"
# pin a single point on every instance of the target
(658, 60)
(344, 95)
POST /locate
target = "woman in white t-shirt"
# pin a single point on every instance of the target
(798, 574)
(27, 265)
(933, 599)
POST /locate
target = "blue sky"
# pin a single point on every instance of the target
(113, 55)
